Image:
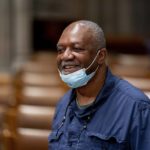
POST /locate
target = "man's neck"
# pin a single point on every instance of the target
(88, 93)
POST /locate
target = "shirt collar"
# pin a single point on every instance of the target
(102, 96)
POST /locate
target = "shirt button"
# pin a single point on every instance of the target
(89, 118)
(84, 127)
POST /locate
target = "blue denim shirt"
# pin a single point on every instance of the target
(118, 120)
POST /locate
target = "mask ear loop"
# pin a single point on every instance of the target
(93, 62)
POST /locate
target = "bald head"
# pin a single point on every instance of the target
(94, 30)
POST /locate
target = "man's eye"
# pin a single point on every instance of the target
(78, 49)
(60, 49)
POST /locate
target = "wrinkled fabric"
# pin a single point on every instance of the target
(119, 119)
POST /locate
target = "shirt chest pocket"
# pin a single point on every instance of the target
(99, 142)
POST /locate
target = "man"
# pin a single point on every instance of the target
(101, 111)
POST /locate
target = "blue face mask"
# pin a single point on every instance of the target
(78, 78)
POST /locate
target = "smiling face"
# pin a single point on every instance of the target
(75, 49)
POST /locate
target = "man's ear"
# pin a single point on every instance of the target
(102, 56)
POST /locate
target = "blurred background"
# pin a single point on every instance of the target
(34, 25)
(29, 84)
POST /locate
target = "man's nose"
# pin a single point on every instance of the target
(68, 54)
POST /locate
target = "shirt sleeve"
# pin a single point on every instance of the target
(140, 130)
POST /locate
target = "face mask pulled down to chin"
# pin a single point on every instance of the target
(78, 78)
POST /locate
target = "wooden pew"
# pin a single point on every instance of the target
(29, 127)
(130, 65)
(30, 139)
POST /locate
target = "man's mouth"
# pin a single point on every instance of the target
(66, 69)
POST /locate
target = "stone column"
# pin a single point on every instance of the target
(92, 9)
(22, 31)
(124, 17)
(4, 35)
(109, 18)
